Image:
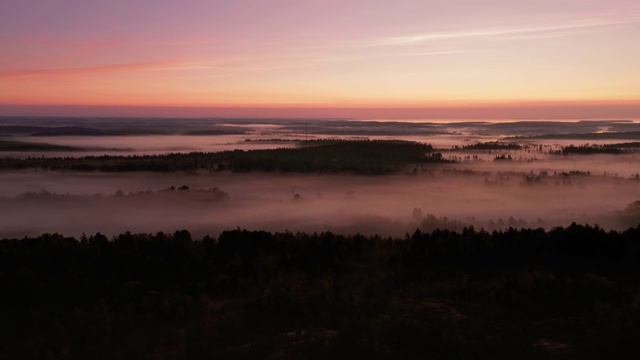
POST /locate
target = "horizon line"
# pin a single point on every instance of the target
(533, 110)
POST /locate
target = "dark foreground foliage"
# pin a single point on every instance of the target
(315, 156)
(566, 293)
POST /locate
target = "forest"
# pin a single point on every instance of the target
(316, 156)
(8, 145)
(493, 145)
(570, 292)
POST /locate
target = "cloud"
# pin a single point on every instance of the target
(88, 70)
(511, 33)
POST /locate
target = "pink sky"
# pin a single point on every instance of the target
(346, 58)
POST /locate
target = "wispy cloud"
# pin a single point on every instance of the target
(89, 70)
(432, 53)
(511, 33)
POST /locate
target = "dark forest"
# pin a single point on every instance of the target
(564, 293)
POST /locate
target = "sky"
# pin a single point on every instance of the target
(328, 58)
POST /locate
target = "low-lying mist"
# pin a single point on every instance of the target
(529, 184)
(37, 202)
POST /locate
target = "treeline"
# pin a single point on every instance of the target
(493, 145)
(584, 136)
(314, 156)
(585, 149)
(565, 293)
(74, 131)
(628, 145)
(170, 193)
(12, 145)
(591, 149)
(503, 157)
(359, 156)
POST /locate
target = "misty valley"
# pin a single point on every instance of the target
(367, 177)
(316, 238)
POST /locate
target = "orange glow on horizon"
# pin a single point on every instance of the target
(531, 110)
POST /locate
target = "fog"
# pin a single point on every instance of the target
(536, 188)
(144, 144)
(387, 205)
